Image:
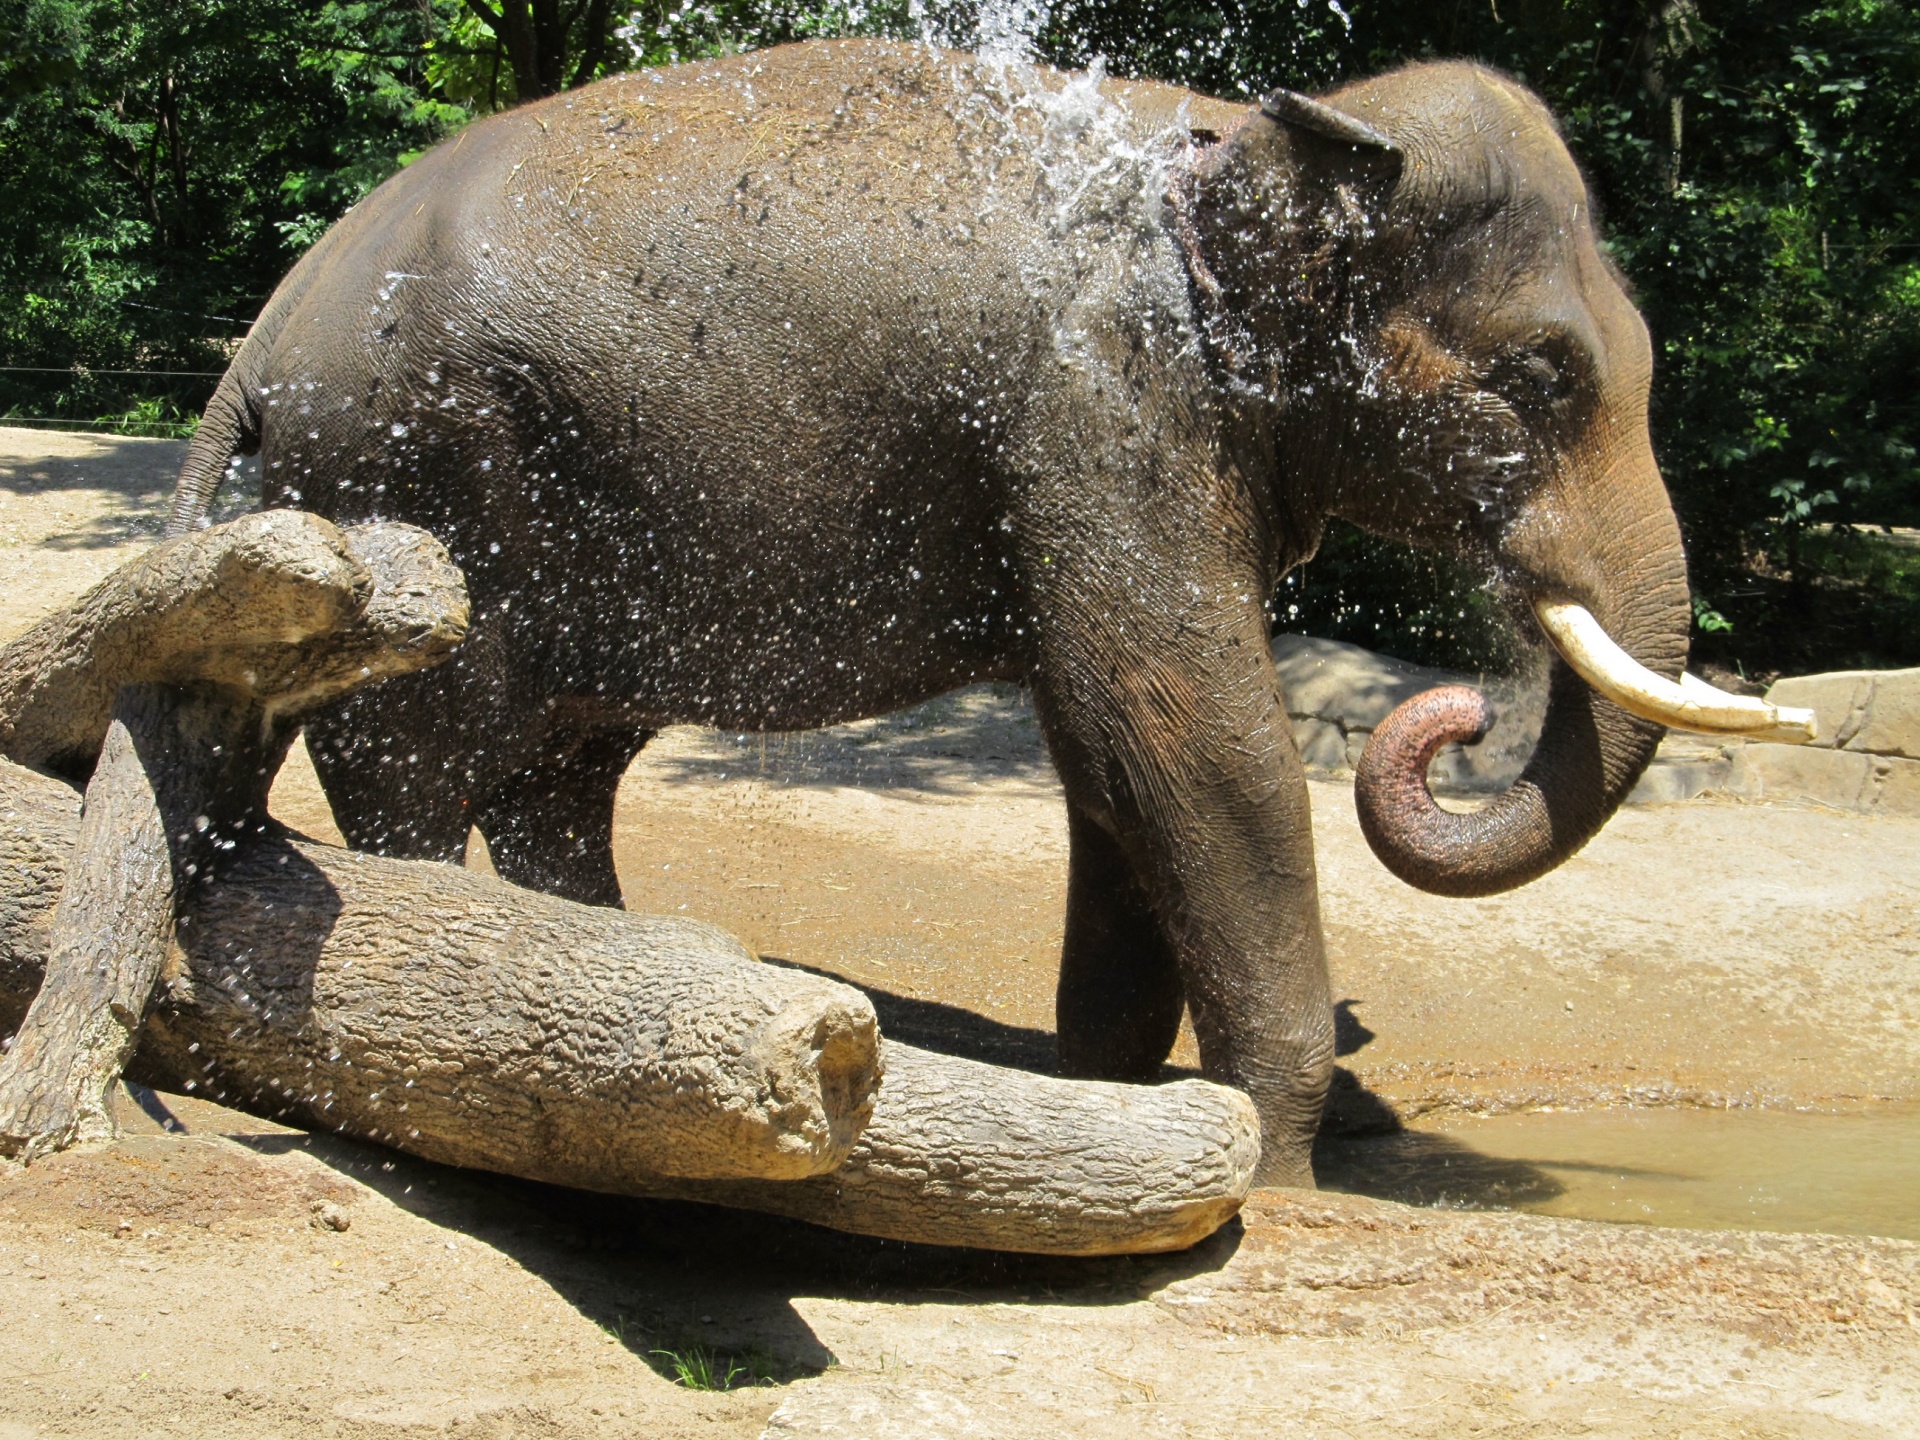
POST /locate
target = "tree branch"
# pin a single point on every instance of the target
(599, 25)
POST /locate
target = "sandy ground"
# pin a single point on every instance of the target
(1705, 954)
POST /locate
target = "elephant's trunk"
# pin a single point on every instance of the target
(1590, 754)
(1600, 731)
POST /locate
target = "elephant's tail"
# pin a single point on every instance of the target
(230, 426)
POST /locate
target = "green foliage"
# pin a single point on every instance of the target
(700, 1367)
(1752, 159)
(1393, 598)
(696, 1365)
(152, 416)
(1774, 247)
(164, 164)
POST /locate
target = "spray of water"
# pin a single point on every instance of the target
(1007, 28)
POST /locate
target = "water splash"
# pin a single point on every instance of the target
(1001, 31)
(1006, 29)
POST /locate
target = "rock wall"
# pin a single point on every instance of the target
(1867, 757)
(1337, 693)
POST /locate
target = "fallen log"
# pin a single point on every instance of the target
(280, 607)
(458, 1018)
(468, 1021)
(177, 681)
(963, 1153)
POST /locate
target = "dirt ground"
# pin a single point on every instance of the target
(194, 1277)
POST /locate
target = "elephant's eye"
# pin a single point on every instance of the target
(1530, 377)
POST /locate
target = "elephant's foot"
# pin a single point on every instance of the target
(1287, 1161)
(1290, 1099)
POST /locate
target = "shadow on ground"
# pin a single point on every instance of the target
(980, 734)
(1363, 1148)
(953, 1029)
(125, 483)
(681, 1284)
(698, 1288)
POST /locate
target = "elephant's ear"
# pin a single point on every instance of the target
(1266, 212)
(1305, 113)
(1293, 138)
(1294, 171)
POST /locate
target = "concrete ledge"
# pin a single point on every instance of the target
(1843, 779)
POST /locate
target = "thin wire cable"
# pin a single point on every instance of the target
(91, 370)
(61, 422)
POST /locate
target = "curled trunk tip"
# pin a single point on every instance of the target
(1589, 755)
(1398, 814)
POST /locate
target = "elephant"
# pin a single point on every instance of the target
(806, 384)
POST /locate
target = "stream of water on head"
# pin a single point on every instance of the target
(1854, 1173)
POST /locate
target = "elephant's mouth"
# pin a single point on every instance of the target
(1686, 704)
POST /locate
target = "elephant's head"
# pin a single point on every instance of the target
(1405, 281)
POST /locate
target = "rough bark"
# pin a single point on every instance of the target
(961, 1153)
(474, 1023)
(143, 831)
(189, 666)
(621, 1053)
(281, 607)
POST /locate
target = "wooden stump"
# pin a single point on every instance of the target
(144, 823)
(460, 1018)
(176, 681)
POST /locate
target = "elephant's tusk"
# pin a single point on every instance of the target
(1687, 704)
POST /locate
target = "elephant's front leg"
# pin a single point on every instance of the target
(1189, 811)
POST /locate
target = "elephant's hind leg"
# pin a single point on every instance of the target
(396, 780)
(549, 825)
(1120, 997)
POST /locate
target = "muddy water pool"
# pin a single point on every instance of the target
(1855, 1173)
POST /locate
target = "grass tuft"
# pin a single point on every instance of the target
(700, 1367)
(696, 1365)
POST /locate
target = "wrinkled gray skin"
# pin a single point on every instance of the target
(806, 385)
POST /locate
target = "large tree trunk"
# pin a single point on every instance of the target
(461, 1019)
(471, 1022)
(448, 1014)
(191, 665)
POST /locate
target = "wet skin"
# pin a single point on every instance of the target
(806, 385)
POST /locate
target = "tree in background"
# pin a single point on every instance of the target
(167, 161)
(549, 41)
(164, 163)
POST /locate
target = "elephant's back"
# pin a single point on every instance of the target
(883, 118)
(837, 264)
(825, 139)
(817, 168)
